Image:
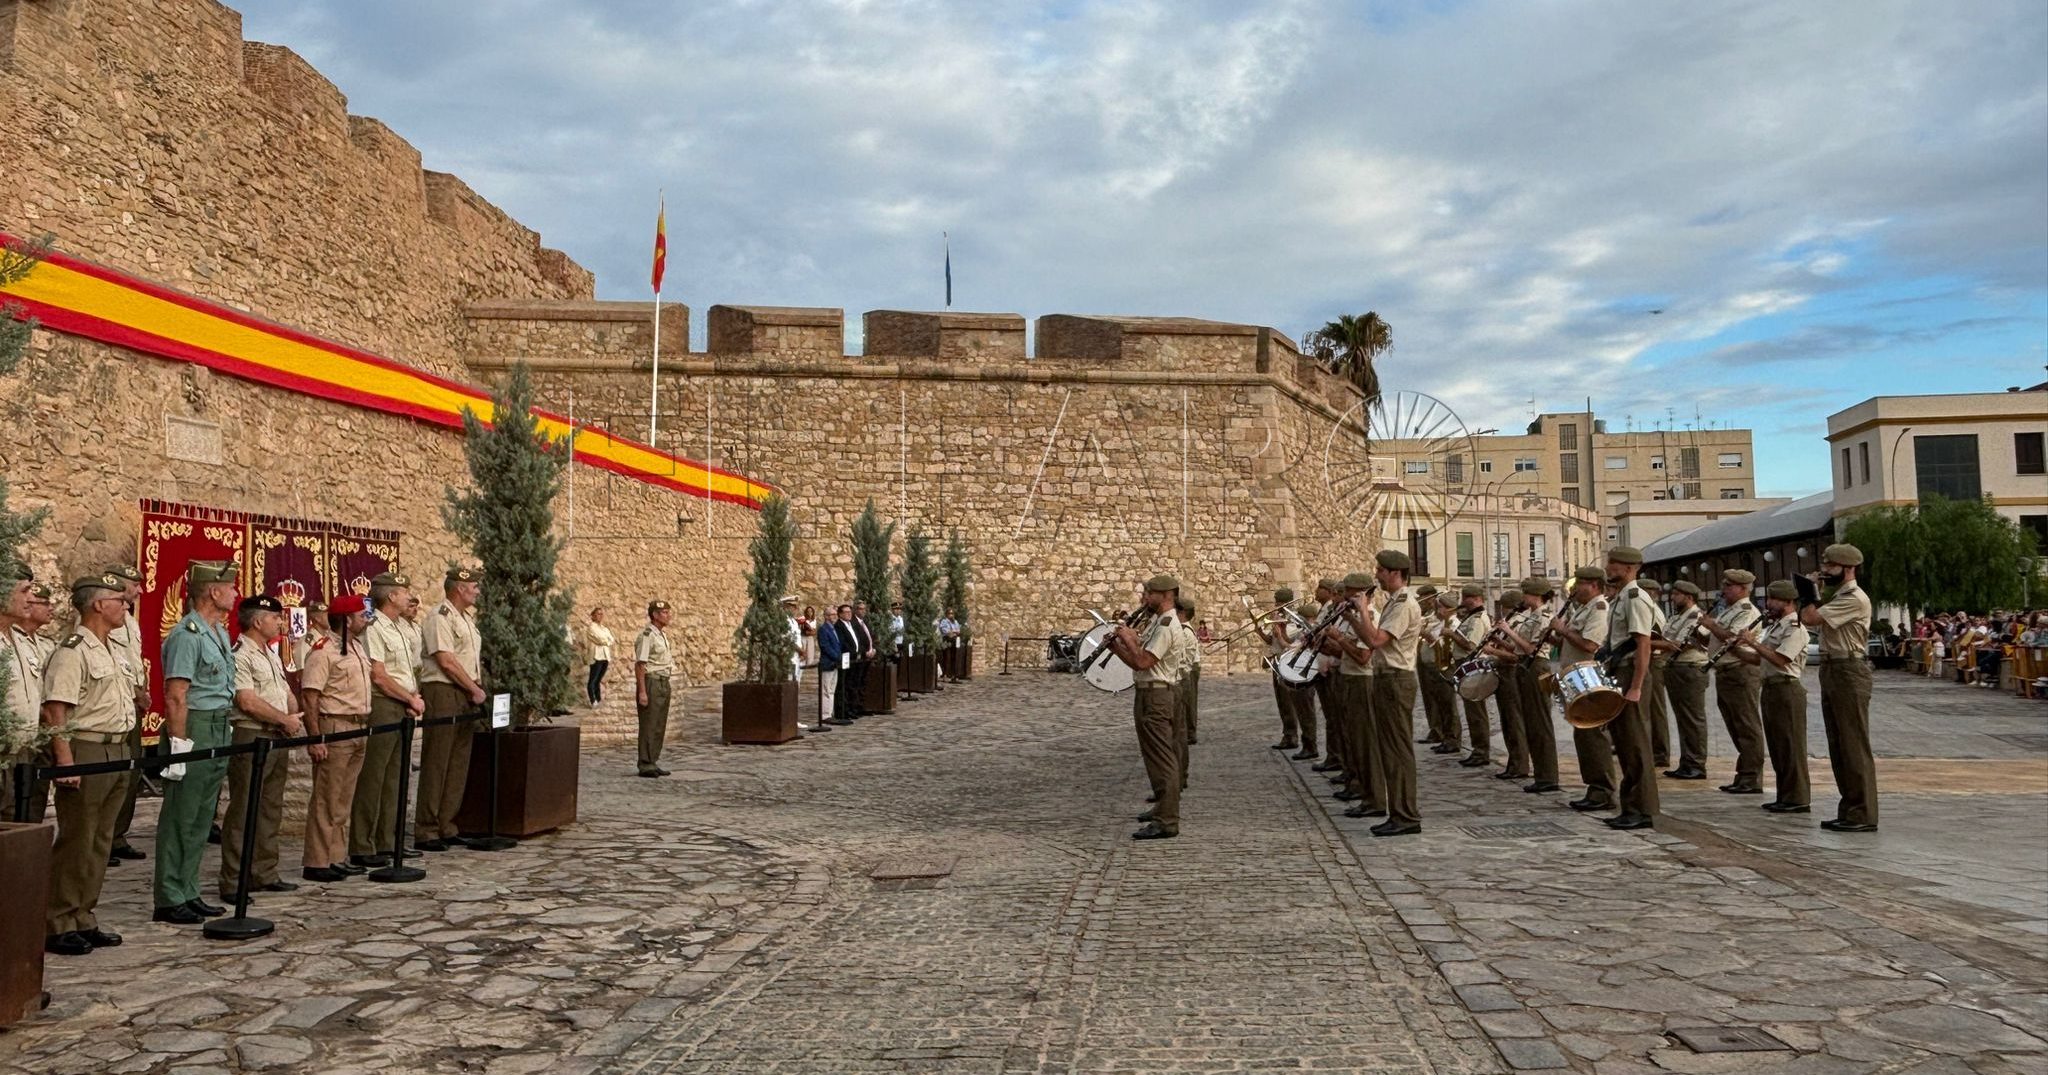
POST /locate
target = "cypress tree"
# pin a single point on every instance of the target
(871, 575)
(507, 517)
(956, 582)
(762, 640)
(919, 580)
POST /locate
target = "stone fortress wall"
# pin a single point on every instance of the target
(146, 135)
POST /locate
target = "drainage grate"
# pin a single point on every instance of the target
(2025, 741)
(1515, 830)
(907, 869)
(1727, 1039)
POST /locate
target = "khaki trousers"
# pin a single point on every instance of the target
(1393, 708)
(85, 836)
(1631, 736)
(653, 724)
(444, 763)
(373, 816)
(269, 813)
(1685, 685)
(1354, 711)
(1845, 711)
(1514, 736)
(334, 793)
(1325, 686)
(1539, 735)
(1736, 690)
(1653, 711)
(1477, 730)
(1596, 764)
(1440, 705)
(1180, 727)
(1290, 722)
(1191, 703)
(1153, 710)
(1784, 705)
(1305, 699)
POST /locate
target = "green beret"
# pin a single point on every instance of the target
(390, 578)
(96, 582)
(462, 574)
(1472, 589)
(656, 606)
(1359, 580)
(1447, 599)
(125, 572)
(1650, 584)
(1282, 595)
(1625, 554)
(40, 590)
(1737, 576)
(1161, 584)
(1842, 553)
(1427, 589)
(1589, 573)
(1686, 587)
(1537, 586)
(1184, 603)
(1783, 590)
(1326, 583)
(1394, 560)
(205, 572)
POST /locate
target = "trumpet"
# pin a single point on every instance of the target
(1284, 609)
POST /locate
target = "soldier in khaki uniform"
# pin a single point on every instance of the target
(1583, 628)
(1352, 695)
(29, 651)
(1324, 688)
(1631, 620)
(1191, 686)
(90, 704)
(1685, 680)
(264, 709)
(653, 666)
(23, 662)
(1394, 632)
(1781, 654)
(1507, 656)
(1273, 633)
(393, 645)
(1653, 690)
(1473, 624)
(1737, 685)
(126, 642)
(1538, 732)
(1843, 619)
(1439, 700)
(451, 680)
(336, 698)
(1153, 659)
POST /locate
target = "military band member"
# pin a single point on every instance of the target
(89, 708)
(1439, 708)
(1153, 658)
(451, 680)
(1781, 654)
(23, 660)
(199, 690)
(1274, 634)
(1583, 629)
(653, 667)
(1737, 685)
(1631, 620)
(1685, 680)
(1537, 662)
(334, 693)
(1353, 696)
(126, 641)
(393, 645)
(1394, 632)
(1191, 688)
(1843, 620)
(1323, 686)
(1511, 614)
(1653, 689)
(264, 709)
(1473, 624)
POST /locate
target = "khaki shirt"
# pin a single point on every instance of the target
(1400, 617)
(24, 676)
(447, 630)
(1681, 629)
(1588, 620)
(126, 642)
(390, 643)
(85, 673)
(1474, 627)
(1738, 619)
(343, 680)
(1193, 648)
(651, 649)
(1162, 641)
(1786, 635)
(1630, 614)
(1845, 623)
(1345, 664)
(258, 669)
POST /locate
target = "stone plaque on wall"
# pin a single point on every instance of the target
(192, 440)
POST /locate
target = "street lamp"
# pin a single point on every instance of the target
(1891, 470)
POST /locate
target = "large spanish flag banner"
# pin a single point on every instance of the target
(77, 297)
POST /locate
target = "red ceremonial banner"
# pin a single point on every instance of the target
(174, 535)
(355, 555)
(288, 561)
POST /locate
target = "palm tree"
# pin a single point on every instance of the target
(1349, 345)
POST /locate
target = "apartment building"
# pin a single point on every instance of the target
(1897, 449)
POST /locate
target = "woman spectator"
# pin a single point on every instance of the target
(601, 641)
(807, 625)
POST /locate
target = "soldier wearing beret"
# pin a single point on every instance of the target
(1653, 691)
(393, 645)
(335, 697)
(1843, 620)
(1685, 681)
(1737, 686)
(127, 643)
(1507, 655)
(1471, 626)
(1273, 632)
(1781, 655)
(1583, 629)
(451, 680)
(29, 649)
(1191, 677)
(1394, 633)
(264, 709)
(1631, 621)
(90, 710)
(1525, 681)
(1439, 711)
(23, 662)
(653, 666)
(1352, 696)
(199, 690)
(1154, 658)
(1323, 688)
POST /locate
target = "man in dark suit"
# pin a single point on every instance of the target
(858, 645)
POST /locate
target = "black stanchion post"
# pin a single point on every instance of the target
(398, 872)
(24, 779)
(241, 927)
(492, 841)
(1006, 657)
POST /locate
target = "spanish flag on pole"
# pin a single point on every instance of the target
(660, 244)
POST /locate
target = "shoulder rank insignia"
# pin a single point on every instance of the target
(72, 641)
(192, 626)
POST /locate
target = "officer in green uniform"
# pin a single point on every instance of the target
(1737, 686)
(1685, 680)
(1583, 629)
(1154, 658)
(1843, 619)
(653, 666)
(90, 708)
(199, 689)
(1631, 620)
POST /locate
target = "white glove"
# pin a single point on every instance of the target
(176, 770)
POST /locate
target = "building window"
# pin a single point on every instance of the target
(2038, 525)
(1656, 462)
(1568, 436)
(1503, 563)
(1862, 460)
(1418, 551)
(1538, 548)
(1657, 494)
(1570, 493)
(1465, 554)
(1688, 462)
(2027, 455)
(1486, 466)
(1731, 494)
(1525, 464)
(1416, 466)
(1613, 534)
(1616, 497)
(1729, 460)
(1847, 474)
(1615, 462)
(1568, 467)
(1947, 466)
(1454, 469)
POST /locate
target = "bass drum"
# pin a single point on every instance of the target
(1591, 698)
(1106, 672)
(1296, 667)
(1477, 678)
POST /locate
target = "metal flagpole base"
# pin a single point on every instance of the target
(238, 928)
(397, 875)
(489, 843)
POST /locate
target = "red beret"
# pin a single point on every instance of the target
(346, 604)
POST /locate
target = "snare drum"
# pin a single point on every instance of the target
(1477, 678)
(1591, 698)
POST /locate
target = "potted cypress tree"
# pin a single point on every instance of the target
(871, 586)
(960, 657)
(507, 517)
(919, 580)
(760, 706)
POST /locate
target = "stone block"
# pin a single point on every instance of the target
(948, 336)
(787, 331)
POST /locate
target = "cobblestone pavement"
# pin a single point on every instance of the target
(725, 920)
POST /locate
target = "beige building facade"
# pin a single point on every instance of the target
(1500, 539)
(1898, 449)
(1640, 522)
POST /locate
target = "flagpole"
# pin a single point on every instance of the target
(948, 237)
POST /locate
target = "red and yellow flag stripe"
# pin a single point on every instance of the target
(77, 297)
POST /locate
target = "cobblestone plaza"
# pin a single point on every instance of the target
(728, 919)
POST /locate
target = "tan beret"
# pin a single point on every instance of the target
(1737, 576)
(1842, 553)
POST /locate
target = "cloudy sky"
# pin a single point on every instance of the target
(1752, 213)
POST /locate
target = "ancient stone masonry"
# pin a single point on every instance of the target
(149, 137)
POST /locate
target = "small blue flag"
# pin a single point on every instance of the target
(949, 269)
